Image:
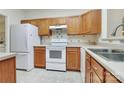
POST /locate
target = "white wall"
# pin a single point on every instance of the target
(115, 17)
(13, 16)
(45, 13)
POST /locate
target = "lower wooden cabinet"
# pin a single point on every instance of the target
(73, 58)
(98, 69)
(88, 69)
(40, 57)
(94, 78)
(8, 71)
(95, 73)
(110, 78)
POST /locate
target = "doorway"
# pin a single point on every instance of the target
(2, 33)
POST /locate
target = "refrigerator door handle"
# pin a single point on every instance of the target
(26, 41)
(21, 54)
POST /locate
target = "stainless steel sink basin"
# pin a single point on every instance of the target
(115, 55)
(107, 50)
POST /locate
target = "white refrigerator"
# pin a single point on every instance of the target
(22, 39)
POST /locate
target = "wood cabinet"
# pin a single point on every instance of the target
(43, 26)
(74, 24)
(95, 73)
(8, 71)
(40, 57)
(88, 23)
(91, 22)
(73, 58)
(94, 77)
(98, 70)
(57, 21)
(88, 69)
(110, 78)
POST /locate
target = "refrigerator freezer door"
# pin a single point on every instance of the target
(19, 38)
(21, 60)
(24, 61)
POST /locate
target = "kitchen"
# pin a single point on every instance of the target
(61, 47)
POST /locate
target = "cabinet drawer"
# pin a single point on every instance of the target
(39, 48)
(73, 48)
(98, 69)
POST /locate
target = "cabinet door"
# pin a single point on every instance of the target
(43, 27)
(88, 69)
(91, 22)
(74, 25)
(94, 77)
(8, 71)
(57, 21)
(34, 22)
(109, 78)
(98, 69)
(73, 59)
(95, 22)
(40, 57)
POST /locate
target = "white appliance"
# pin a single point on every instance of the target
(22, 39)
(58, 27)
(56, 51)
(56, 58)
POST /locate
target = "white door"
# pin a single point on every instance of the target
(19, 38)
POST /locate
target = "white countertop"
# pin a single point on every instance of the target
(4, 56)
(116, 68)
(74, 45)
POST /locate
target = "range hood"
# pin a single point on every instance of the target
(58, 27)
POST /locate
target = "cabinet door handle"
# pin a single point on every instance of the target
(91, 77)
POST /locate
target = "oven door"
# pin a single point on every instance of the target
(56, 54)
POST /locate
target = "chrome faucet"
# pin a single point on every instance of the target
(114, 33)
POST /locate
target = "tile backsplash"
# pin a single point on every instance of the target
(60, 34)
(82, 39)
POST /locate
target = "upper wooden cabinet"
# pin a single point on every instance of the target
(57, 21)
(91, 22)
(43, 27)
(42, 24)
(74, 24)
(88, 23)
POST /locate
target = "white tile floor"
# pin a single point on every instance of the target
(45, 76)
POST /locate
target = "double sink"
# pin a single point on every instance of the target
(115, 55)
